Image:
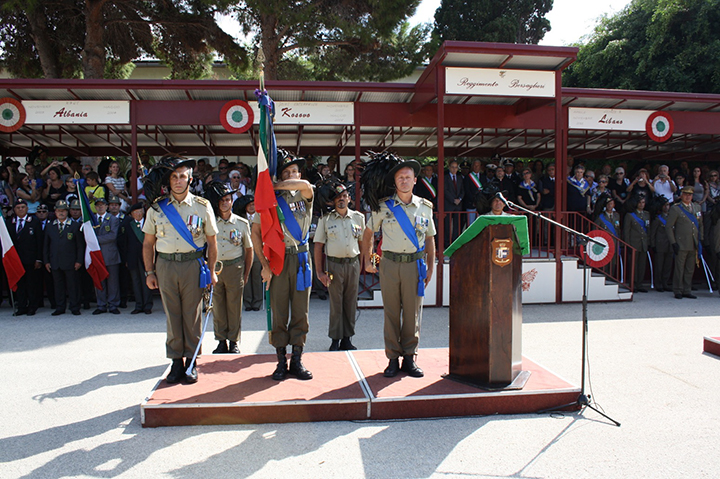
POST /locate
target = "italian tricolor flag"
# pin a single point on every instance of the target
(11, 261)
(265, 202)
(94, 262)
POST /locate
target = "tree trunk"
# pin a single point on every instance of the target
(268, 28)
(48, 56)
(93, 54)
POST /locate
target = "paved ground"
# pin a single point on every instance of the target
(72, 386)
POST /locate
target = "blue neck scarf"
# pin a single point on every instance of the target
(409, 231)
(304, 274)
(174, 217)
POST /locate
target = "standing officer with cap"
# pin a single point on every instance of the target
(661, 247)
(684, 229)
(290, 290)
(178, 227)
(107, 231)
(340, 232)
(25, 233)
(64, 253)
(131, 252)
(113, 208)
(235, 251)
(407, 226)
(244, 207)
(635, 233)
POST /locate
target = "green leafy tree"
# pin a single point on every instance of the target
(97, 38)
(334, 39)
(665, 45)
(508, 21)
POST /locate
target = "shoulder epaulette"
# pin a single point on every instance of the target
(426, 202)
(202, 201)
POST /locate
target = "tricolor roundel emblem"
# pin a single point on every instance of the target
(12, 115)
(598, 255)
(236, 116)
(660, 126)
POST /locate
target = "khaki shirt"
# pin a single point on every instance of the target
(198, 216)
(233, 237)
(680, 229)
(341, 234)
(302, 210)
(420, 213)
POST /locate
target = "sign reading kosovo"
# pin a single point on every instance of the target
(488, 81)
(77, 112)
(311, 113)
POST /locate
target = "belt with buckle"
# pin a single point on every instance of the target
(296, 249)
(403, 257)
(181, 257)
(230, 262)
(333, 259)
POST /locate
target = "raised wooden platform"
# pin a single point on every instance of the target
(711, 345)
(237, 389)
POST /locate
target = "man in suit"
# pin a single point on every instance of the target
(472, 184)
(426, 187)
(113, 208)
(684, 229)
(63, 254)
(454, 194)
(131, 246)
(44, 277)
(106, 230)
(84, 281)
(25, 235)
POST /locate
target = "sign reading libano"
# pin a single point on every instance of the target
(486, 81)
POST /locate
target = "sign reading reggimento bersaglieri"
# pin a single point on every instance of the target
(498, 82)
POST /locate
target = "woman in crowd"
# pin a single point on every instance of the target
(26, 189)
(55, 187)
(619, 188)
(116, 184)
(7, 197)
(700, 187)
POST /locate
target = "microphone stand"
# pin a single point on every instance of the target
(583, 400)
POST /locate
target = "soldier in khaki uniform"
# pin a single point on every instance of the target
(684, 237)
(635, 233)
(340, 232)
(177, 271)
(399, 271)
(288, 299)
(236, 254)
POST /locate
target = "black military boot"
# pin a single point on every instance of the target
(177, 372)
(222, 347)
(335, 345)
(233, 349)
(281, 370)
(346, 345)
(296, 366)
(392, 369)
(191, 377)
(410, 367)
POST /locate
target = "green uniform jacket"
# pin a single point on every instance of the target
(634, 234)
(681, 230)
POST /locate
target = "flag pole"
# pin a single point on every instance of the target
(266, 292)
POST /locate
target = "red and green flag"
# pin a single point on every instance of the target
(94, 261)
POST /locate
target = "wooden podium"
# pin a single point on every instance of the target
(486, 303)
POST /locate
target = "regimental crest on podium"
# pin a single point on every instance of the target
(502, 251)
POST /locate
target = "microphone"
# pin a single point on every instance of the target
(502, 198)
